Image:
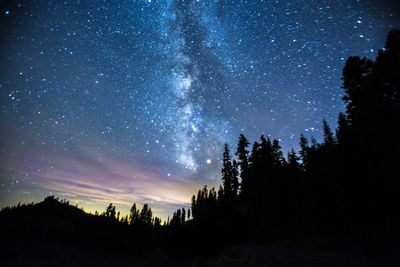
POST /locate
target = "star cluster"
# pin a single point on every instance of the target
(122, 101)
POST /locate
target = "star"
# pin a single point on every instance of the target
(124, 94)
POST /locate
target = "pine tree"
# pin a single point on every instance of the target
(242, 154)
(221, 195)
(183, 217)
(255, 158)
(194, 207)
(227, 173)
(146, 215)
(293, 163)
(359, 96)
(178, 217)
(235, 178)
(387, 67)
(277, 156)
(342, 131)
(329, 139)
(266, 153)
(134, 214)
(110, 211)
(157, 222)
(304, 151)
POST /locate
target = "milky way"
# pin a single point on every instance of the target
(122, 101)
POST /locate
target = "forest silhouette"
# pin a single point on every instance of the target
(342, 193)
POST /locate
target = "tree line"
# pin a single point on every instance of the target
(136, 216)
(346, 184)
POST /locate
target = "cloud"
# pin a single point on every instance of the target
(94, 183)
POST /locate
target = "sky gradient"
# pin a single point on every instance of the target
(132, 101)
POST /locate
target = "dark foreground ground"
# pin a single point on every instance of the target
(277, 254)
(52, 233)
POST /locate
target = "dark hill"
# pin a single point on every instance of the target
(57, 233)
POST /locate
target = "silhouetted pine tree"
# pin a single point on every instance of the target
(183, 216)
(110, 211)
(277, 155)
(227, 174)
(372, 100)
(221, 195)
(329, 139)
(293, 160)
(343, 130)
(157, 222)
(235, 178)
(194, 207)
(134, 214)
(304, 151)
(242, 154)
(178, 217)
(146, 215)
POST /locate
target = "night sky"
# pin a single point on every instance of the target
(132, 101)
